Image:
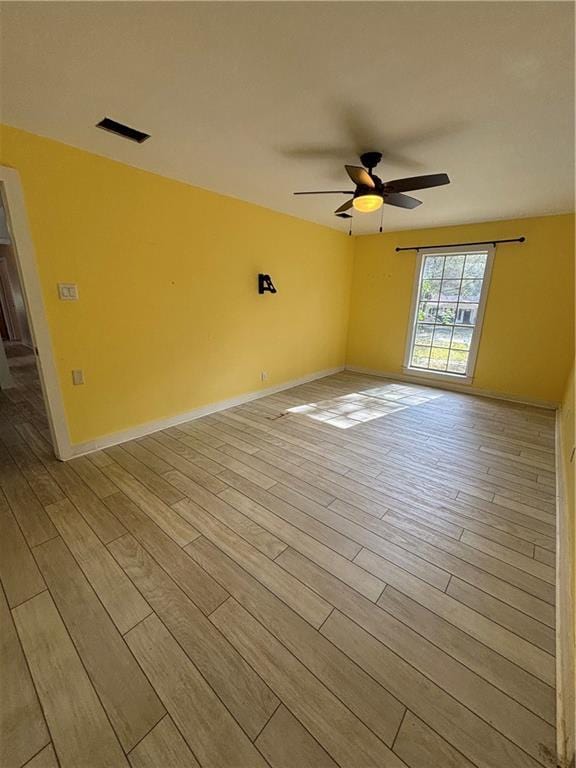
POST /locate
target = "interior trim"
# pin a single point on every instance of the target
(17, 220)
(565, 615)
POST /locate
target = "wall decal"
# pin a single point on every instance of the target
(265, 284)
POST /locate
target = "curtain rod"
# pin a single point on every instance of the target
(458, 245)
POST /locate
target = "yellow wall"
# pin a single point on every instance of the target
(169, 317)
(528, 335)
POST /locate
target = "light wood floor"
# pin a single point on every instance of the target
(364, 582)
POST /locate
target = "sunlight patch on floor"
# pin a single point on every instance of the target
(358, 407)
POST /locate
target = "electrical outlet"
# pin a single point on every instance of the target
(68, 291)
(77, 377)
(264, 376)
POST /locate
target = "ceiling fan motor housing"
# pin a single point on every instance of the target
(377, 189)
(361, 190)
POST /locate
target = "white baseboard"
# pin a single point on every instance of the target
(565, 640)
(106, 441)
(465, 389)
(141, 430)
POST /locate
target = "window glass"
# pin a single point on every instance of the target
(449, 293)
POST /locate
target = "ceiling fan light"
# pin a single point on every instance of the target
(367, 203)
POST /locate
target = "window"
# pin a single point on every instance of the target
(450, 294)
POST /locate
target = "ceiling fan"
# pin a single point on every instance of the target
(371, 192)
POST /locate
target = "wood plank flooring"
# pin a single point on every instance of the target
(354, 573)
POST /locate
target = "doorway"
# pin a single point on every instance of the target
(29, 386)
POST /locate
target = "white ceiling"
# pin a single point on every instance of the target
(257, 100)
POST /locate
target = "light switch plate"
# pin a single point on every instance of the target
(68, 291)
(77, 377)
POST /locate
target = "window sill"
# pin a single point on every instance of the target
(419, 373)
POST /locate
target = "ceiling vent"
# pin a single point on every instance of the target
(122, 130)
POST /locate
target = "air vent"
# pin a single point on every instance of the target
(344, 215)
(122, 130)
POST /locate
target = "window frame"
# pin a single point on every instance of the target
(468, 377)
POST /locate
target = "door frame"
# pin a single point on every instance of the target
(7, 311)
(17, 220)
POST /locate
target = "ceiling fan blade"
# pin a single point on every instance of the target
(417, 182)
(326, 192)
(346, 206)
(401, 201)
(359, 176)
(344, 215)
